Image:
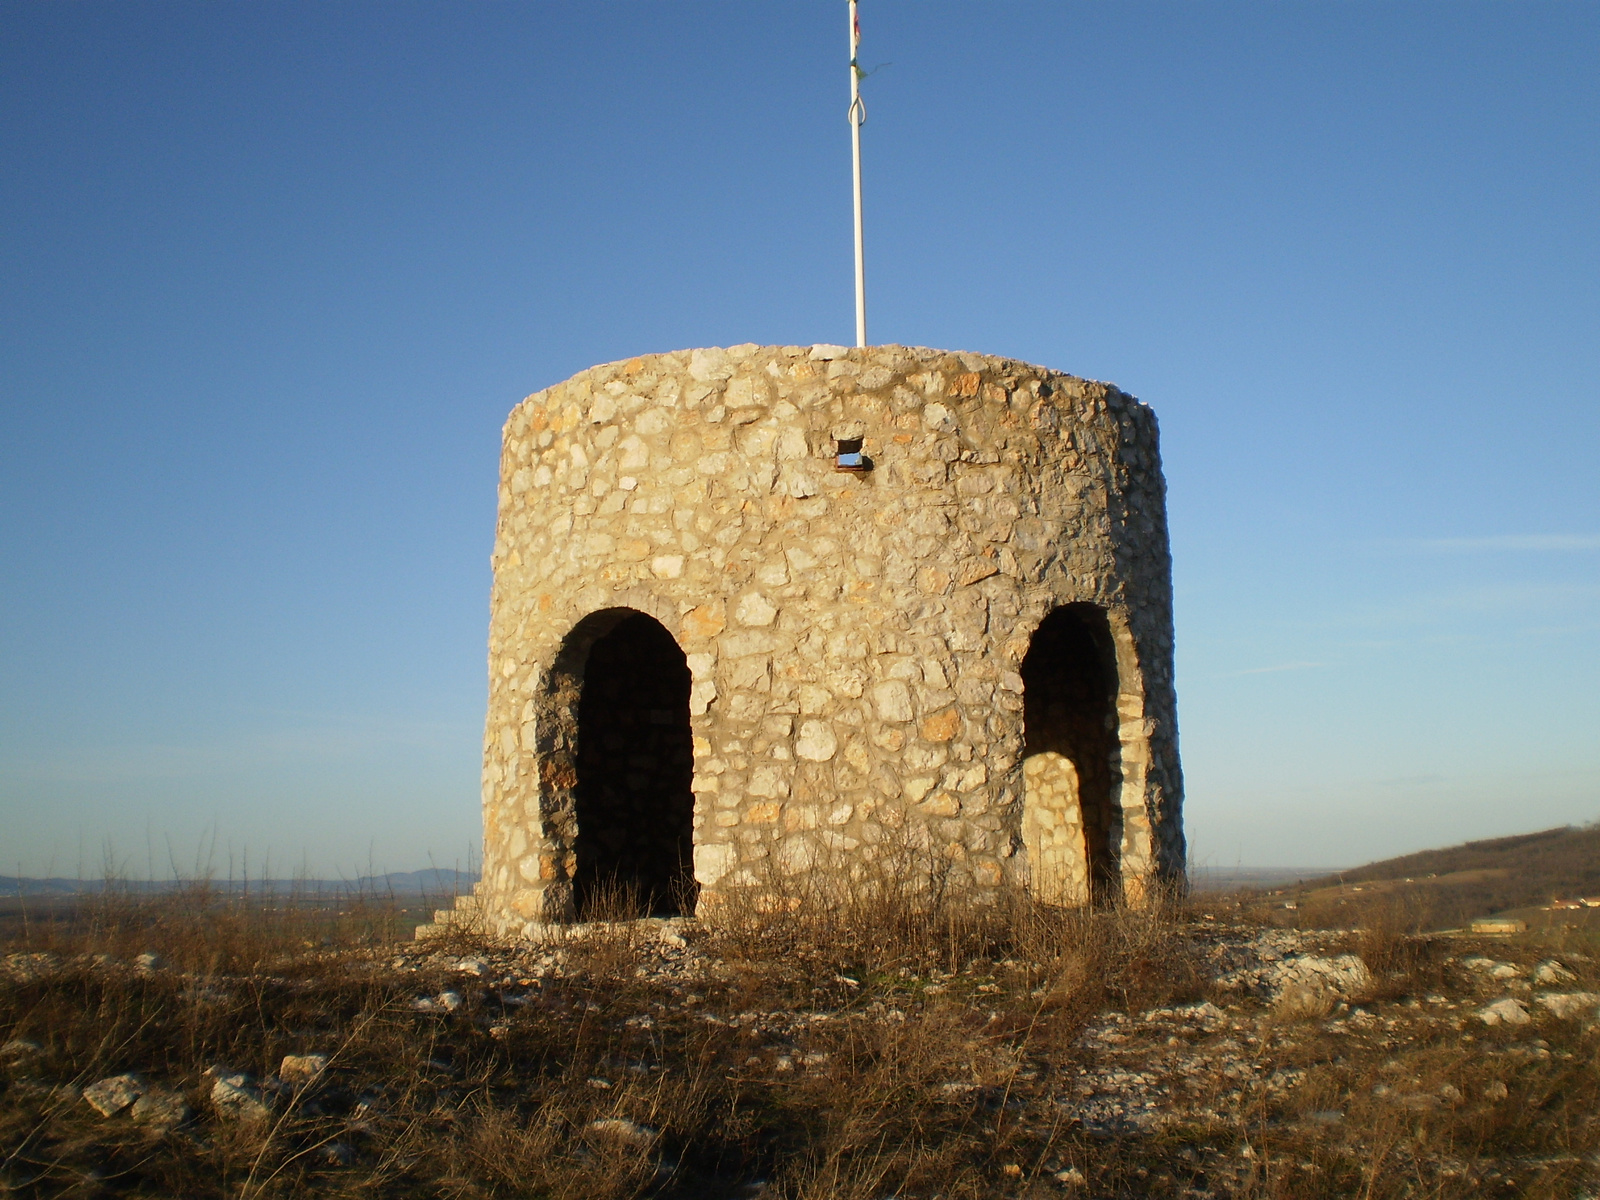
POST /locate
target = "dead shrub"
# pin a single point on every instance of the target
(1304, 1002)
(1392, 926)
(205, 927)
(897, 915)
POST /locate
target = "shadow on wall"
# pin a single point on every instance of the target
(1071, 821)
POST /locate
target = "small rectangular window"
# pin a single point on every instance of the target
(850, 457)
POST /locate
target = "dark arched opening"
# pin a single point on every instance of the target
(1072, 821)
(635, 766)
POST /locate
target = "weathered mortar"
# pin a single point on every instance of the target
(855, 641)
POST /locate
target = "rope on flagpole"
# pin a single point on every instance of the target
(857, 116)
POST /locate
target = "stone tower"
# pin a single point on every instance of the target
(767, 611)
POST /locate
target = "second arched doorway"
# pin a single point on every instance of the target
(1071, 818)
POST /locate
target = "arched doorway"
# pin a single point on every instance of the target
(1071, 821)
(635, 765)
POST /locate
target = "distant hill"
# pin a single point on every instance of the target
(13, 885)
(435, 881)
(1231, 879)
(1475, 879)
(1567, 856)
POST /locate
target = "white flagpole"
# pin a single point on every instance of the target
(858, 117)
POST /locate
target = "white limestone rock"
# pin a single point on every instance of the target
(1567, 1005)
(110, 1096)
(624, 1132)
(1508, 1011)
(297, 1070)
(160, 1109)
(1550, 972)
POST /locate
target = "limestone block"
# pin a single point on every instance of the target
(744, 707)
(708, 365)
(712, 862)
(301, 1069)
(941, 726)
(111, 1096)
(704, 621)
(768, 782)
(814, 699)
(941, 804)
(755, 609)
(892, 700)
(816, 741)
(160, 1109)
(701, 694)
(857, 755)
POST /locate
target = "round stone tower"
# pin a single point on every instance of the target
(766, 612)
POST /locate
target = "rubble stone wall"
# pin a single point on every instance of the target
(854, 640)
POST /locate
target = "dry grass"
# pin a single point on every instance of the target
(856, 1042)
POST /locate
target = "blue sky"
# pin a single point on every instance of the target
(273, 275)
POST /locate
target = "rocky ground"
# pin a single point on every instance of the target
(1202, 1056)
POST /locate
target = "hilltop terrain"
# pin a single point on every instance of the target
(848, 1046)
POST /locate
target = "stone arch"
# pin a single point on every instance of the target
(1072, 808)
(618, 766)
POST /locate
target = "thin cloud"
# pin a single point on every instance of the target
(1560, 543)
(1523, 600)
(1291, 666)
(349, 741)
